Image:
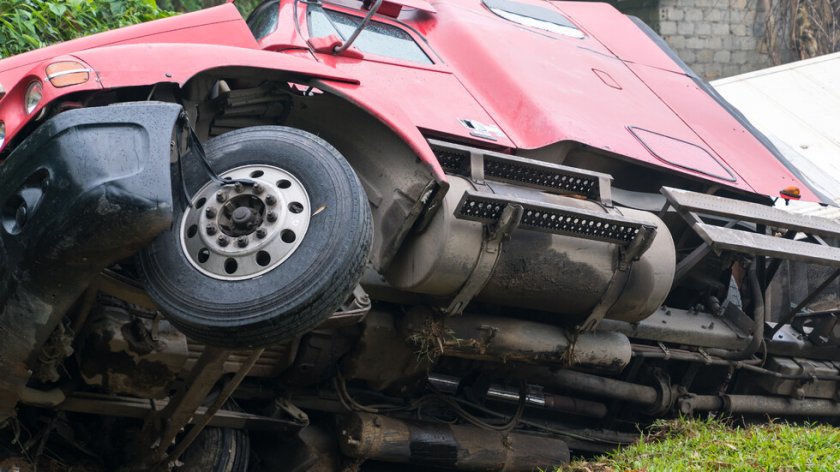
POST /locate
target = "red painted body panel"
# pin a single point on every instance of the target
(613, 90)
(620, 36)
(392, 116)
(542, 88)
(124, 66)
(220, 25)
(438, 92)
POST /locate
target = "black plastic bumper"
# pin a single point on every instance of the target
(88, 188)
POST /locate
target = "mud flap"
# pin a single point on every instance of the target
(87, 189)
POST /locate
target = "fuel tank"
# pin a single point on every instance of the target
(534, 270)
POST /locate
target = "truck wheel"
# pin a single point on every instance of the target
(217, 450)
(254, 264)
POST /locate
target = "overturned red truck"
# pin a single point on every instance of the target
(469, 234)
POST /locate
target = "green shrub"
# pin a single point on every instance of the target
(31, 24)
(245, 6)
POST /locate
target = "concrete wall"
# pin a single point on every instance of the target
(716, 38)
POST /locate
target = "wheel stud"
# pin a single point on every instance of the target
(242, 242)
(220, 196)
(271, 217)
(211, 230)
(258, 189)
(223, 241)
(270, 200)
(261, 233)
(210, 212)
(237, 187)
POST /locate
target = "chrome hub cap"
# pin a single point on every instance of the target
(237, 232)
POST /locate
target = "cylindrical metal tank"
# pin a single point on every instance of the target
(539, 271)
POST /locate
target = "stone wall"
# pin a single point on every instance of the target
(716, 38)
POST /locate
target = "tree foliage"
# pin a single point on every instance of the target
(31, 24)
(245, 6)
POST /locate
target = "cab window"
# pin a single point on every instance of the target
(377, 38)
(534, 16)
(263, 20)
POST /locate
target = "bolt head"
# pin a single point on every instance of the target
(261, 233)
(271, 217)
(223, 241)
(270, 200)
(21, 215)
(220, 196)
(242, 242)
(237, 187)
(258, 189)
(210, 212)
(211, 230)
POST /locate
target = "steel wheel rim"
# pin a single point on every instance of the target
(239, 232)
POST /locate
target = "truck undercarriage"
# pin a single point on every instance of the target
(252, 270)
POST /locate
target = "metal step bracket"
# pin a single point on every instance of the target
(480, 165)
(635, 236)
(694, 207)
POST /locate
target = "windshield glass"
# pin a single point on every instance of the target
(263, 20)
(377, 38)
(534, 16)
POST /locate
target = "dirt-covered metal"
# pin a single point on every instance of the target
(485, 235)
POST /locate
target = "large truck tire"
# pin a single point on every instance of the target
(250, 265)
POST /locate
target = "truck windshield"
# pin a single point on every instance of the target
(377, 38)
(263, 20)
(534, 16)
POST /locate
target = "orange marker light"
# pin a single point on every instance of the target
(791, 192)
(67, 73)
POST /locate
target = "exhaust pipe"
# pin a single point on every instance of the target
(381, 438)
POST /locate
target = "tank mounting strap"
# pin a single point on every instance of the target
(480, 164)
(628, 256)
(491, 247)
(559, 219)
(695, 207)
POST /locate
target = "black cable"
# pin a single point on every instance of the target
(195, 145)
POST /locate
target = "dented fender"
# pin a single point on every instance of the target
(88, 188)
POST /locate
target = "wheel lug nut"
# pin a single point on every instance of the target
(271, 217)
(223, 241)
(258, 189)
(237, 187)
(242, 242)
(220, 196)
(270, 200)
(261, 233)
(211, 230)
(210, 212)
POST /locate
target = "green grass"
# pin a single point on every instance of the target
(711, 445)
